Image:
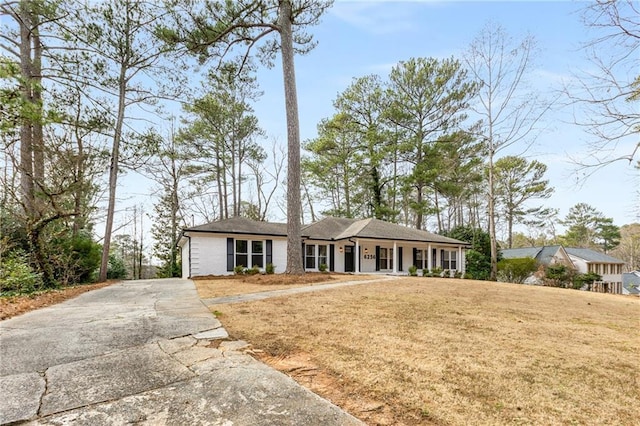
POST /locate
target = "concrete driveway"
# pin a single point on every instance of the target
(143, 352)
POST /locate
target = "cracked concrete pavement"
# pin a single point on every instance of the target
(141, 352)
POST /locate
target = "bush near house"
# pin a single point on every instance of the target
(580, 280)
(516, 270)
(559, 276)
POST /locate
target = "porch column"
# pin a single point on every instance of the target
(357, 257)
(395, 258)
(429, 256)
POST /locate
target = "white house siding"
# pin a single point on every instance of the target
(209, 253)
(279, 254)
(604, 269)
(184, 256)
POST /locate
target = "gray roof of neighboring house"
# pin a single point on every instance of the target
(545, 254)
(542, 255)
(521, 253)
(592, 255)
(631, 282)
(332, 228)
(242, 225)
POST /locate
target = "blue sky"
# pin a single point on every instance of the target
(359, 38)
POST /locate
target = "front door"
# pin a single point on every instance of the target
(348, 259)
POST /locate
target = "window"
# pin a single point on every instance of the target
(322, 255)
(419, 259)
(242, 253)
(386, 258)
(310, 256)
(449, 260)
(257, 254)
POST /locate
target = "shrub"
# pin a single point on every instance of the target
(322, 267)
(253, 271)
(559, 276)
(580, 280)
(425, 272)
(116, 270)
(16, 275)
(413, 270)
(238, 270)
(516, 270)
(478, 265)
(270, 269)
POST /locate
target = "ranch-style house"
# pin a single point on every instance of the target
(343, 245)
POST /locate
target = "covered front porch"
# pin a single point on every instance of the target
(395, 257)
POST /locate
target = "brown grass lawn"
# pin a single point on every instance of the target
(217, 286)
(455, 352)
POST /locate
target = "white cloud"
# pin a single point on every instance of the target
(376, 17)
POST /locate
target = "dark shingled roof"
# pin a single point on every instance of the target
(242, 225)
(592, 255)
(333, 228)
(330, 229)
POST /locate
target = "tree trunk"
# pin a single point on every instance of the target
(113, 174)
(38, 138)
(26, 129)
(492, 222)
(294, 237)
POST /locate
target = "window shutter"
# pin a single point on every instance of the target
(303, 256)
(415, 257)
(377, 258)
(332, 255)
(359, 259)
(230, 261)
(269, 250)
(399, 258)
(442, 259)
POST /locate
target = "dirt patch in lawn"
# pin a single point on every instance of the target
(231, 285)
(11, 306)
(445, 351)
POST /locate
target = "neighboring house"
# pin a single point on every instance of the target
(581, 259)
(610, 268)
(631, 283)
(343, 245)
(545, 255)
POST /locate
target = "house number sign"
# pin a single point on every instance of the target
(370, 256)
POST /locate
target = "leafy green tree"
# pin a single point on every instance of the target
(128, 67)
(218, 27)
(516, 182)
(478, 257)
(334, 167)
(363, 107)
(428, 99)
(221, 131)
(587, 227)
(608, 235)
